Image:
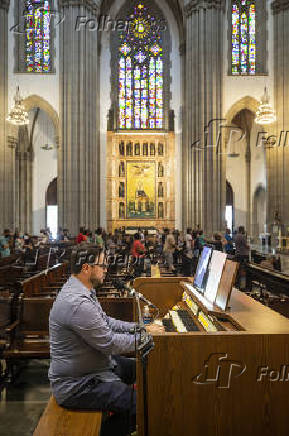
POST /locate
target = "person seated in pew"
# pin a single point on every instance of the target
(86, 369)
(30, 253)
(5, 243)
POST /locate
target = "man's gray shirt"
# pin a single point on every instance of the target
(82, 340)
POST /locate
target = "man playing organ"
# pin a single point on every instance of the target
(86, 370)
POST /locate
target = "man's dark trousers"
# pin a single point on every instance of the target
(118, 397)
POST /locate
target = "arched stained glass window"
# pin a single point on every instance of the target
(37, 36)
(243, 37)
(140, 76)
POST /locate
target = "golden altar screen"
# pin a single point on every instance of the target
(141, 189)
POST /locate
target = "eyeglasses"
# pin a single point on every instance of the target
(101, 265)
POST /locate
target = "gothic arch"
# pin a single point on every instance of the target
(34, 101)
(51, 193)
(247, 102)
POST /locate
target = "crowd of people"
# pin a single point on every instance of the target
(17, 242)
(171, 244)
(174, 247)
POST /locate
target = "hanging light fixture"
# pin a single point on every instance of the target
(18, 114)
(47, 147)
(233, 155)
(265, 113)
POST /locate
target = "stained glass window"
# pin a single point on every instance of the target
(140, 94)
(243, 37)
(37, 36)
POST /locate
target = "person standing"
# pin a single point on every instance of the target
(241, 256)
(201, 240)
(138, 252)
(189, 243)
(169, 249)
(81, 237)
(98, 238)
(218, 242)
(242, 248)
(5, 243)
(229, 242)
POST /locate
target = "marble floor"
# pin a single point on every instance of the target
(23, 402)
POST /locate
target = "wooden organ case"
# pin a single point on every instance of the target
(228, 377)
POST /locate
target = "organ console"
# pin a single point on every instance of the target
(215, 370)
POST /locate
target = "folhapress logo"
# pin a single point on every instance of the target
(273, 375)
(219, 370)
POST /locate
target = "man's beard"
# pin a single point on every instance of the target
(96, 283)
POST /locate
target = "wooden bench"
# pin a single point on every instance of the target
(57, 421)
(28, 336)
(47, 282)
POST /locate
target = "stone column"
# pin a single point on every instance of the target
(248, 185)
(204, 183)
(278, 157)
(78, 152)
(6, 153)
(23, 181)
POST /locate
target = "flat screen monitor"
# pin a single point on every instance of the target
(216, 267)
(202, 268)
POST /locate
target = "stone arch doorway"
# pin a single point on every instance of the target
(230, 221)
(51, 207)
(245, 162)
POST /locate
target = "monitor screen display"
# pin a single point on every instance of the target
(215, 273)
(201, 276)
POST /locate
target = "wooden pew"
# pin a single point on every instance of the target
(57, 421)
(10, 275)
(47, 282)
(274, 281)
(6, 300)
(121, 308)
(28, 336)
(9, 260)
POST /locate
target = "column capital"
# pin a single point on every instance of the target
(4, 4)
(195, 5)
(91, 5)
(279, 6)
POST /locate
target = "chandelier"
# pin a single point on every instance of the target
(18, 114)
(265, 113)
